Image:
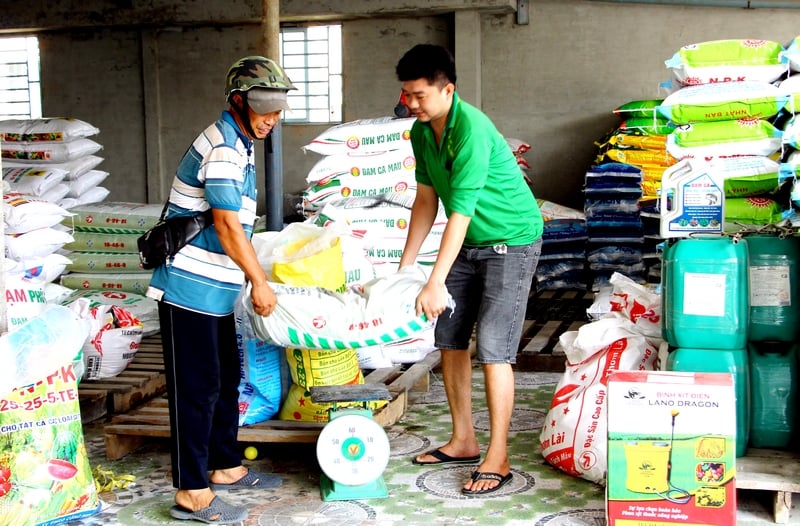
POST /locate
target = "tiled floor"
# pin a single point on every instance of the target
(538, 495)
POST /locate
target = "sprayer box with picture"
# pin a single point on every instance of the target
(671, 448)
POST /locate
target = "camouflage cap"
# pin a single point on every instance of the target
(256, 72)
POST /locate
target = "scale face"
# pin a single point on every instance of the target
(352, 449)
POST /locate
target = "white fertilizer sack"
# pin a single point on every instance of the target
(33, 181)
(58, 129)
(363, 136)
(50, 152)
(315, 318)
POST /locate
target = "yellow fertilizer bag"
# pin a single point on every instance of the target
(302, 255)
(45, 476)
(323, 268)
(638, 157)
(310, 367)
(299, 407)
(647, 142)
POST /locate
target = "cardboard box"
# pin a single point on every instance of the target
(671, 449)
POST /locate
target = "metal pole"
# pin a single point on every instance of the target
(273, 149)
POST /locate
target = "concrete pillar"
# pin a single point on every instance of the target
(157, 186)
(468, 56)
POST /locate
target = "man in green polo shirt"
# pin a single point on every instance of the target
(486, 260)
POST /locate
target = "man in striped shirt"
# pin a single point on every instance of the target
(196, 291)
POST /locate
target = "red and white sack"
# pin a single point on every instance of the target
(113, 340)
(574, 437)
(636, 303)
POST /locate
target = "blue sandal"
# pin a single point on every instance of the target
(218, 512)
(252, 480)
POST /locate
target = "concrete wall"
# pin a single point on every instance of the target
(552, 83)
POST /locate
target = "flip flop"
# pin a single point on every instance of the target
(477, 475)
(444, 458)
(252, 480)
(218, 512)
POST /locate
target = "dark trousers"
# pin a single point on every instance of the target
(201, 359)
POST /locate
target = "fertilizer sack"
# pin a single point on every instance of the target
(45, 475)
(382, 312)
(574, 436)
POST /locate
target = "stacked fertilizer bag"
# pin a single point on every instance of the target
(640, 143)
(725, 103)
(104, 251)
(366, 179)
(790, 124)
(53, 159)
(562, 263)
(365, 185)
(31, 256)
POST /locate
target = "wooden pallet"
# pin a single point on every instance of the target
(127, 432)
(538, 348)
(142, 380)
(774, 471)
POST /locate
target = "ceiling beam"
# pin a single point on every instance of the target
(44, 15)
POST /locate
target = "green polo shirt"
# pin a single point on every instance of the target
(474, 172)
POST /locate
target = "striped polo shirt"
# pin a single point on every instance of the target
(218, 171)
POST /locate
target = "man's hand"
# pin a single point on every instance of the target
(263, 298)
(432, 300)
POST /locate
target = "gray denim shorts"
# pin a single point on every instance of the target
(490, 286)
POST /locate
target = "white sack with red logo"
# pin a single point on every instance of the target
(113, 339)
(636, 303)
(383, 311)
(573, 438)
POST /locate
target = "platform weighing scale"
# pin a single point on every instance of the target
(352, 449)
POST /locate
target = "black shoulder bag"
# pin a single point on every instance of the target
(168, 236)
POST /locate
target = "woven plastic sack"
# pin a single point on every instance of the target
(363, 136)
(723, 101)
(727, 61)
(45, 130)
(573, 438)
(316, 318)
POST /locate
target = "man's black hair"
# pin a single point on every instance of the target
(428, 61)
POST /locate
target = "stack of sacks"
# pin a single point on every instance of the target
(141, 307)
(31, 258)
(640, 140)
(104, 251)
(562, 264)
(724, 104)
(53, 159)
(367, 181)
(301, 257)
(790, 124)
(327, 253)
(613, 223)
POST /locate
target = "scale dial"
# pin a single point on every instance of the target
(353, 450)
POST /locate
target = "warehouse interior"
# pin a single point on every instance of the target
(149, 74)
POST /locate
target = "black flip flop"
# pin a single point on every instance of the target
(487, 475)
(444, 458)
